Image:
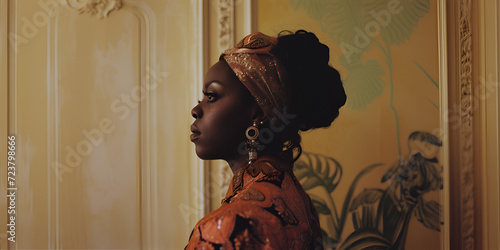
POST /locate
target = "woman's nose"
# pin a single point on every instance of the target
(196, 112)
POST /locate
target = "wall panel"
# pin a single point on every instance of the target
(99, 98)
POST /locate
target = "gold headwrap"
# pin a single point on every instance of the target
(259, 71)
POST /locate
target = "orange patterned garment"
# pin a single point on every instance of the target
(265, 208)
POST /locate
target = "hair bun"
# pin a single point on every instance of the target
(314, 88)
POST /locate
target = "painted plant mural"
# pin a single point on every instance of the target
(380, 216)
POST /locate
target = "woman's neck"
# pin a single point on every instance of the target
(238, 163)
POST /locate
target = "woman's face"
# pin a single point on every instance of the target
(222, 116)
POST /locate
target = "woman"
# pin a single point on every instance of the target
(256, 100)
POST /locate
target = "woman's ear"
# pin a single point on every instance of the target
(258, 115)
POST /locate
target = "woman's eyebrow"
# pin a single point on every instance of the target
(208, 83)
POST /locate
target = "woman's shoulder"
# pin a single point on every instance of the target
(265, 206)
(239, 223)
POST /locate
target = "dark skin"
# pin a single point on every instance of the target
(222, 117)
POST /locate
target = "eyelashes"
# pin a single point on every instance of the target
(211, 96)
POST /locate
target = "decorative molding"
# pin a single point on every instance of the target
(466, 171)
(250, 13)
(489, 79)
(225, 20)
(201, 168)
(98, 8)
(147, 172)
(444, 121)
(218, 174)
(227, 32)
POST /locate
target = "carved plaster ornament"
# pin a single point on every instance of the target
(466, 179)
(225, 9)
(98, 8)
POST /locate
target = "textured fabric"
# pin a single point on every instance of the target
(265, 208)
(259, 71)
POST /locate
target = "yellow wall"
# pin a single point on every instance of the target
(362, 136)
(138, 187)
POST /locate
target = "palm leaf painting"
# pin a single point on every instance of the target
(369, 73)
(358, 25)
(315, 171)
(403, 18)
(366, 238)
(381, 217)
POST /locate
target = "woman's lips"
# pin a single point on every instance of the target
(196, 133)
(194, 136)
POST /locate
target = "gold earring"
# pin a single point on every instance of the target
(252, 145)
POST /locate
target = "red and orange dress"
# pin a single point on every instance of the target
(265, 208)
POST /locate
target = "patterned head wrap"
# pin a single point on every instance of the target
(259, 71)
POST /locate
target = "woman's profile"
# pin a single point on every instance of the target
(257, 98)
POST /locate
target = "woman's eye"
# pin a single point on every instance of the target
(211, 97)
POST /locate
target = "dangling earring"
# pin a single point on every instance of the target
(252, 145)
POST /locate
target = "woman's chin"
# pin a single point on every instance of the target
(204, 155)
